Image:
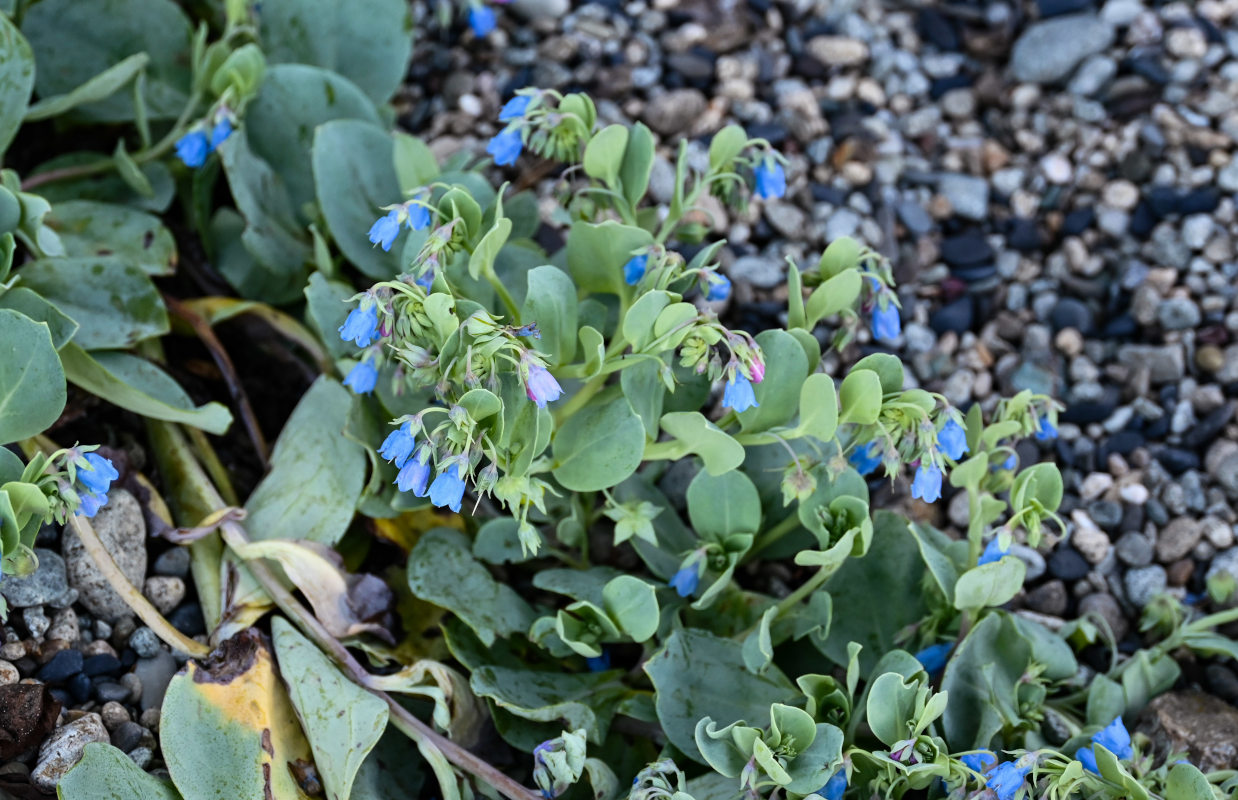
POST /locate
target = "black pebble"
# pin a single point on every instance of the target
(1071, 313)
(127, 736)
(1122, 443)
(1123, 326)
(1106, 513)
(1208, 428)
(1199, 201)
(1023, 235)
(937, 28)
(102, 664)
(1078, 221)
(1143, 220)
(188, 619)
(63, 666)
(966, 250)
(1222, 682)
(1066, 564)
(79, 686)
(1177, 460)
(1163, 200)
(953, 316)
(940, 86)
(1055, 8)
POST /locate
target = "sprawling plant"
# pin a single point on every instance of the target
(639, 542)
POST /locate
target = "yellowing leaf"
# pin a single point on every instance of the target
(228, 730)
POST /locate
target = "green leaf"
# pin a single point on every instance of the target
(642, 386)
(415, 166)
(935, 549)
(876, 596)
(112, 301)
(596, 254)
(1106, 701)
(342, 721)
(115, 378)
(719, 506)
(1147, 676)
(604, 153)
(487, 250)
(891, 704)
(32, 382)
(498, 542)
(367, 41)
(105, 773)
(1186, 782)
(598, 446)
(786, 368)
(441, 570)
(326, 308)
(107, 186)
(842, 253)
(637, 163)
(592, 349)
(270, 252)
(551, 700)
(982, 677)
(697, 675)
(989, 584)
(30, 303)
(836, 294)
(280, 122)
(16, 80)
(392, 771)
(354, 178)
(633, 604)
(74, 41)
(1039, 482)
(227, 729)
(888, 368)
(860, 397)
(316, 475)
(100, 87)
(818, 407)
(726, 146)
(719, 452)
(638, 323)
(89, 229)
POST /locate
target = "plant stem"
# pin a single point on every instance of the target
(809, 586)
(130, 594)
(421, 733)
(788, 524)
(508, 302)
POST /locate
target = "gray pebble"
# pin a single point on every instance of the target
(1049, 51)
(145, 643)
(173, 563)
(1144, 583)
(1134, 550)
(1035, 561)
(47, 585)
(1106, 608)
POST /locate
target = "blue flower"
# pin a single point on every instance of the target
(992, 552)
(541, 386)
(738, 394)
(426, 279)
(771, 179)
(398, 445)
(99, 475)
(506, 146)
(192, 148)
(634, 270)
(865, 458)
(481, 20)
(599, 663)
(385, 229)
(979, 762)
(1045, 431)
(448, 489)
(1114, 738)
(362, 378)
(933, 658)
(1085, 756)
(418, 216)
(719, 287)
(1007, 779)
(528, 330)
(886, 324)
(91, 503)
(1011, 462)
(686, 580)
(221, 131)
(927, 483)
(413, 477)
(515, 108)
(952, 440)
(835, 786)
(361, 326)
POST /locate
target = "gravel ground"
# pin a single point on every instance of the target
(1054, 181)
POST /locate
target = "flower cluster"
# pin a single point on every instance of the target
(95, 475)
(414, 214)
(204, 139)
(1114, 738)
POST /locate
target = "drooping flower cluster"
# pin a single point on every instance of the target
(1114, 738)
(414, 214)
(199, 142)
(94, 475)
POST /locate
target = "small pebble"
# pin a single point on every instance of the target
(145, 643)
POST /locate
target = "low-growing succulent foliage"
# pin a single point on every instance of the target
(625, 467)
